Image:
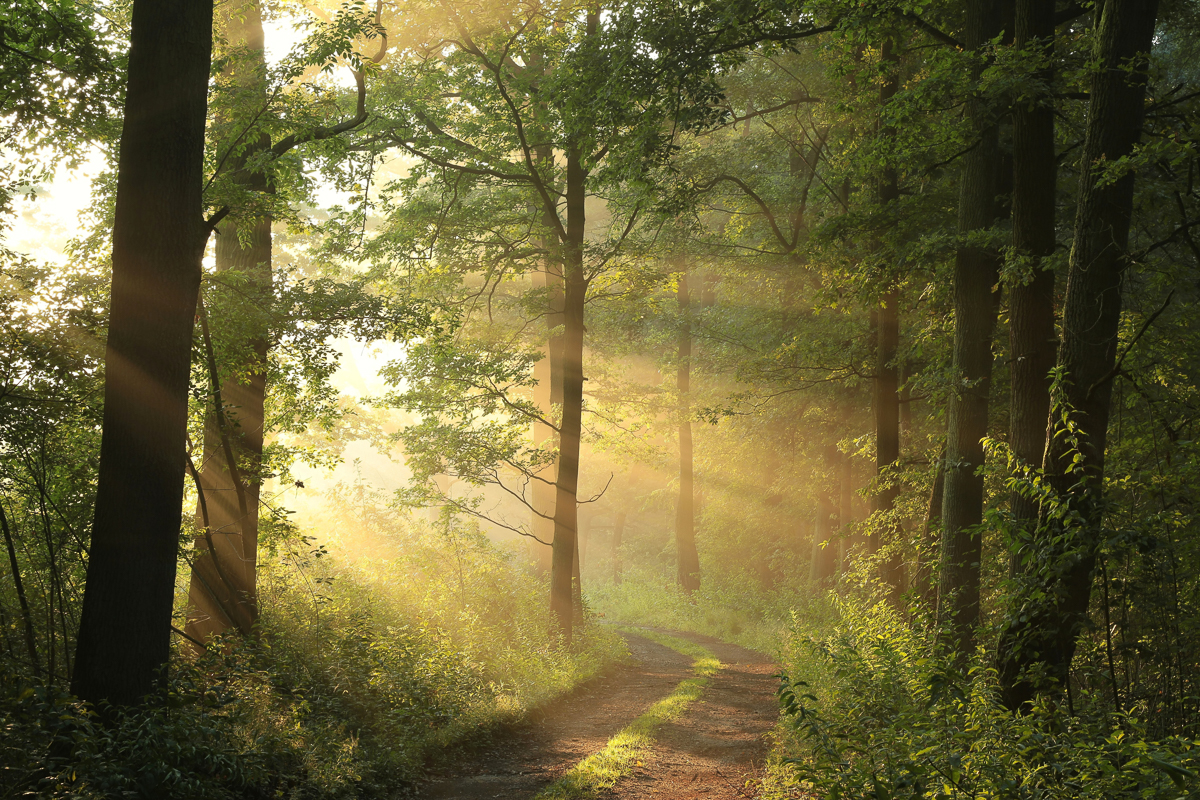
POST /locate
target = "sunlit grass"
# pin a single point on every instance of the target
(631, 746)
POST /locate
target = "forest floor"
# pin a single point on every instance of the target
(715, 750)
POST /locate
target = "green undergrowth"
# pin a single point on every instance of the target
(381, 647)
(871, 710)
(631, 746)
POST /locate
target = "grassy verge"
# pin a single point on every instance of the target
(631, 746)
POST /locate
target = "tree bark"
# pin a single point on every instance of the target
(1051, 606)
(618, 535)
(687, 559)
(886, 383)
(845, 514)
(577, 581)
(235, 428)
(547, 372)
(1032, 338)
(824, 549)
(548, 392)
(923, 582)
(158, 241)
(570, 430)
(887, 433)
(22, 600)
(976, 271)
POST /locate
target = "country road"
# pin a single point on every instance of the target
(714, 750)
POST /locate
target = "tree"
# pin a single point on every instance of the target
(976, 273)
(247, 173)
(1032, 337)
(1051, 610)
(687, 559)
(529, 113)
(223, 582)
(158, 241)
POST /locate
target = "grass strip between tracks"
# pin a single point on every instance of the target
(630, 746)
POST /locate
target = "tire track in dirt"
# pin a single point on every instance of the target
(715, 750)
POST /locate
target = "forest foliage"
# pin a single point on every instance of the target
(859, 333)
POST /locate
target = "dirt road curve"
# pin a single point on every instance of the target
(715, 751)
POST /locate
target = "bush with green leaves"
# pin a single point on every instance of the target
(872, 709)
(361, 672)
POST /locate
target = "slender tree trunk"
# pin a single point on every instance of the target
(923, 581)
(825, 545)
(574, 293)
(158, 241)
(887, 433)
(976, 271)
(847, 541)
(577, 583)
(548, 392)
(1032, 337)
(235, 429)
(547, 372)
(618, 535)
(887, 339)
(687, 559)
(19, 586)
(1051, 606)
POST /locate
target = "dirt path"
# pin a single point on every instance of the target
(715, 750)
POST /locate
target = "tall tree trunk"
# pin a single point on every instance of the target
(567, 486)
(618, 535)
(548, 392)
(158, 243)
(22, 600)
(923, 582)
(687, 559)
(548, 373)
(845, 515)
(887, 427)
(223, 590)
(976, 271)
(577, 582)
(1051, 606)
(825, 545)
(886, 319)
(1032, 337)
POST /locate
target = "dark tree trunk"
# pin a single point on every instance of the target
(1051, 606)
(22, 600)
(158, 242)
(886, 385)
(1032, 337)
(574, 293)
(976, 271)
(923, 582)
(618, 535)
(687, 560)
(845, 514)
(887, 434)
